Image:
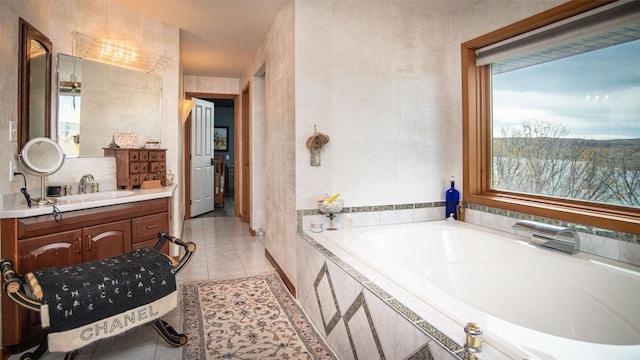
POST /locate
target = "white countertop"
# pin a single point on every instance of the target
(22, 210)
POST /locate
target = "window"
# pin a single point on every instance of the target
(69, 123)
(552, 119)
(570, 127)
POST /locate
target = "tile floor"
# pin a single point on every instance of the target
(225, 249)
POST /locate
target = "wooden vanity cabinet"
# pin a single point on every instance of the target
(83, 235)
(69, 248)
(135, 166)
(76, 246)
(50, 250)
(145, 230)
(104, 241)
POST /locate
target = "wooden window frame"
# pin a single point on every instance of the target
(477, 138)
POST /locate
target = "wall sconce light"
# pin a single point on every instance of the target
(185, 108)
(116, 52)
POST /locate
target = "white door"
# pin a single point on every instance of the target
(201, 157)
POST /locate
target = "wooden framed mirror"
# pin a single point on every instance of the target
(34, 86)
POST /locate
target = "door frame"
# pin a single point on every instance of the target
(245, 211)
(187, 150)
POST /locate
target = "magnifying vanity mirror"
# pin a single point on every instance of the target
(97, 99)
(34, 87)
(42, 156)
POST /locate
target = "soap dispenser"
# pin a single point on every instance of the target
(452, 197)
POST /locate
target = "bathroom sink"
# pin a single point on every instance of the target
(82, 198)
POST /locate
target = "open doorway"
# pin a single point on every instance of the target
(224, 154)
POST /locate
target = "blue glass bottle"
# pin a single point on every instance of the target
(452, 197)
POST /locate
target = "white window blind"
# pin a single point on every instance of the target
(605, 26)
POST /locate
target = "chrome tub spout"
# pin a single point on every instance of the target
(555, 237)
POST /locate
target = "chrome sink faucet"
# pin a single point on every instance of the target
(82, 187)
(555, 237)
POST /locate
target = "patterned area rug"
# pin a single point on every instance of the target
(247, 318)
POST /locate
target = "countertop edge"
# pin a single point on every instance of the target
(140, 195)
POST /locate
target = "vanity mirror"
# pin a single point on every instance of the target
(34, 86)
(41, 156)
(97, 99)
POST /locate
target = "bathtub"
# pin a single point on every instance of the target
(530, 302)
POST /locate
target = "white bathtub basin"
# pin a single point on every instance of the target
(83, 198)
(548, 305)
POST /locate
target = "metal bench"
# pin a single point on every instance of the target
(87, 287)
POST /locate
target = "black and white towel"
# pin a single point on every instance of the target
(103, 298)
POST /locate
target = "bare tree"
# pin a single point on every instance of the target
(625, 171)
(539, 158)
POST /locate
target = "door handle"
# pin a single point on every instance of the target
(212, 161)
(88, 242)
(78, 245)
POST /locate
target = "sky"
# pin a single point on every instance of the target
(596, 94)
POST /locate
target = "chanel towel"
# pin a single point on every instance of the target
(103, 298)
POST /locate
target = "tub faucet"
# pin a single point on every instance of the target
(82, 186)
(555, 237)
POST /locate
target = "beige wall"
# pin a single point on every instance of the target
(280, 143)
(212, 85)
(35, 12)
(371, 75)
(113, 21)
(58, 19)
(258, 221)
(383, 81)
(276, 55)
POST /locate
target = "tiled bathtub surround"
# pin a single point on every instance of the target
(362, 314)
(615, 245)
(360, 320)
(375, 215)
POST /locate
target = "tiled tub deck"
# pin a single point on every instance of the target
(361, 313)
